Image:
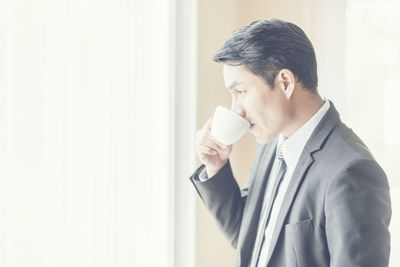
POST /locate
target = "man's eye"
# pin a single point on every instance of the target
(242, 92)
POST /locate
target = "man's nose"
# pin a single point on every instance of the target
(239, 110)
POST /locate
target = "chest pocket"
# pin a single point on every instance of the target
(301, 241)
(300, 227)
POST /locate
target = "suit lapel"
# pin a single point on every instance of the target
(304, 163)
(320, 134)
(256, 193)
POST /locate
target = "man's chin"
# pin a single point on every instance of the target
(261, 140)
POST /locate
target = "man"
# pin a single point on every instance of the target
(315, 195)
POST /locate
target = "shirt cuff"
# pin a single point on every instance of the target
(203, 175)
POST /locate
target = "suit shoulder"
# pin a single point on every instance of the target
(342, 149)
(344, 143)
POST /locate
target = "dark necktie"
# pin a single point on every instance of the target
(276, 180)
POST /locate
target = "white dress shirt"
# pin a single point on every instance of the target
(292, 148)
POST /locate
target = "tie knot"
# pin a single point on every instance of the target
(279, 153)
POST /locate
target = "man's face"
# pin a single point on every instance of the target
(265, 108)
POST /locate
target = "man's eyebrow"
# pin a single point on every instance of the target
(233, 85)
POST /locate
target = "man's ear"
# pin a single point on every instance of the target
(286, 81)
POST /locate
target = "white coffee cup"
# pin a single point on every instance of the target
(227, 126)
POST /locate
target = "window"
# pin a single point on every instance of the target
(372, 78)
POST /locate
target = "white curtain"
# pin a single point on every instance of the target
(86, 133)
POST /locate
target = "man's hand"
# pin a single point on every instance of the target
(212, 154)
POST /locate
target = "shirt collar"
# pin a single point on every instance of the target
(293, 146)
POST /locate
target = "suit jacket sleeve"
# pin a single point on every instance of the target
(358, 211)
(223, 198)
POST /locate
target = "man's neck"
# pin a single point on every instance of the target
(305, 104)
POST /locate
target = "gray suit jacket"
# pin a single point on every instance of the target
(336, 211)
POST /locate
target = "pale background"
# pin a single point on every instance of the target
(96, 129)
(100, 101)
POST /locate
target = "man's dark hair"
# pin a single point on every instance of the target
(265, 47)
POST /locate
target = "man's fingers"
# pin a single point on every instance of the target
(207, 150)
(221, 145)
(214, 144)
(207, 126)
